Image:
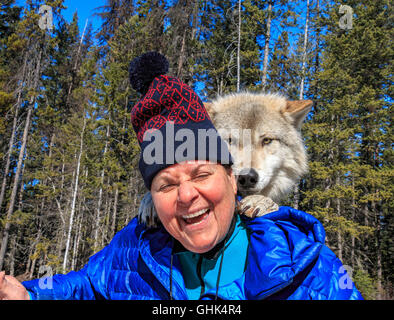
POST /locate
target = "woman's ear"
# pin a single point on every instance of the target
(234, 183)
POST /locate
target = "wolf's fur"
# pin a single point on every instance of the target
(270, 168)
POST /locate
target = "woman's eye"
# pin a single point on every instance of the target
(201, 176)
(166, 187)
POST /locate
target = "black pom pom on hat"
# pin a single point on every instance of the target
(145, 68)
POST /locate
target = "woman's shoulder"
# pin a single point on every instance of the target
(289, 221)
(289, 236)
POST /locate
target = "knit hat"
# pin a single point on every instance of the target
(170, 121)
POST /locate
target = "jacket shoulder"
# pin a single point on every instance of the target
(292, 243)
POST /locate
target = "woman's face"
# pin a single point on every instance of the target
(195, 201)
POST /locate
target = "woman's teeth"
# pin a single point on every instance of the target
(196, 216)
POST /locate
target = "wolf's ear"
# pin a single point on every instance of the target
(209, 108)
(298, 110)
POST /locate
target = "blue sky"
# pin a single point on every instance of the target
(85, 10)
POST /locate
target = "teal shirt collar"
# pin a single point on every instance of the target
(200, 271)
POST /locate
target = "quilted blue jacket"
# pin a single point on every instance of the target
(287, 259)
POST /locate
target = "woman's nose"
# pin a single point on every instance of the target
(187, 193)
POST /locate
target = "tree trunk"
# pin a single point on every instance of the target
(12, 255)
(296, 198)
(76, 243)
(130, 196)
(267, 45)
(35, 243)
(114, 211)
(107, 211)
(195, 29)
(98, 215)
(379, 273)
(181, 55)
(79, 227)
(304, 49)
(339, 234)
(317, 51)
(74, 197)
(239, 47)
(296, 188)
(353, 239)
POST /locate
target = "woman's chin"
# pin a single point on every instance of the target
(200, 245)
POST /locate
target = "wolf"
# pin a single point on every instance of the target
(263, 134)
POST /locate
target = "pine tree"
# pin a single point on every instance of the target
(181, 34)
(113, 14)
(283, 68)
(218, 68)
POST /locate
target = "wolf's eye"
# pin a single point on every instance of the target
(266, 141)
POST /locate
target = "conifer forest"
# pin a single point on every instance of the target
(69, 174)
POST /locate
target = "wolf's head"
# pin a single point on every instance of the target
(263, 133)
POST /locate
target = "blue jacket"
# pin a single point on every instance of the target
(287, 259)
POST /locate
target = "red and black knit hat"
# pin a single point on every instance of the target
(170, 121)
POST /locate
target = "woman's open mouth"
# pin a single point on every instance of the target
(196, 217)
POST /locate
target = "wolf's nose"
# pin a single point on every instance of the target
(248, 179)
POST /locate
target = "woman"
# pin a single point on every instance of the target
(204, 249)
